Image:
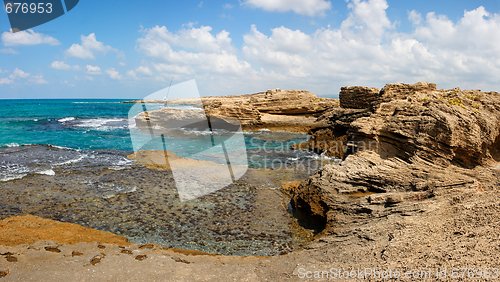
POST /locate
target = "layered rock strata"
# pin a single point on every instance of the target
(418, 142)
(288, 110)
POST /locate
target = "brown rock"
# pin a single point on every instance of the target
(293, 110)
(141, 257)
(96, 259)
(29, 229)
(418, 142)
(52, 249)
(11, 258)
(76, 254)
(359, 97)
(146, 246)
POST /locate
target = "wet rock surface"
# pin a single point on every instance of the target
(245, 218)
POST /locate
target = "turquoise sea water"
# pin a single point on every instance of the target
(79, 124)
(93, 125)
(67, 160)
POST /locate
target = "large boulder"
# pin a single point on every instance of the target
(416, 142)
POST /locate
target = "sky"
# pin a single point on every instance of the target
(129, 49)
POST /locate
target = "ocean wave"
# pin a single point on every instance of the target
(101, 124)
(11, 177)
(10, 172)
(322, 156)
(18, 162)
(66, 119)
(11, 145)
(72, 161)
(49, 172)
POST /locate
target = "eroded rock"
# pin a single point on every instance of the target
(291, 110)
(416, 141)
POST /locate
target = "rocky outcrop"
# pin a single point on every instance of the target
(290, 110)
(28, 229)
(358, 97)
(455, 126)
(416, 143)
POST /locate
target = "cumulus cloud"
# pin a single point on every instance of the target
(192, 50)
(141, 71)
(88, 47)
(114, 74)
(60, 65)
(93, 70)
(365, 49)
(27, 37)
(20, 75)
(301, 7)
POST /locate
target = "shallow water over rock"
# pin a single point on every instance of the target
(248, 217)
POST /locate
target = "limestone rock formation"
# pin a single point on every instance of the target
(358, 97)
(417, 142)
(290, 110)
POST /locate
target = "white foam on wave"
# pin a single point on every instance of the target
(12, 172)
(322, 156)
(12, 177)
(49, 172)
(104, 124)
(12, 145)
(66, 119)
(121, 164)
(80, 158)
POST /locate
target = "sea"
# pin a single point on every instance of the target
(38, 135)
(67, 160)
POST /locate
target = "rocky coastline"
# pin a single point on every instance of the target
(277, 110)
(417, 189)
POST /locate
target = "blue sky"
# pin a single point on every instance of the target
(128, 49)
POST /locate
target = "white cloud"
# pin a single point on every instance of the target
(18, 73)
(367, 20)
(22, 76)
(38, 79)
(27, 37)
(140, 71)
(415, 17)
(365, 49)
(301, 7)
(114, 74)
(93, 70)
(60, 65)
(88, 47)
(191, 50)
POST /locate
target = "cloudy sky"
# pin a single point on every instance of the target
(128, 49)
